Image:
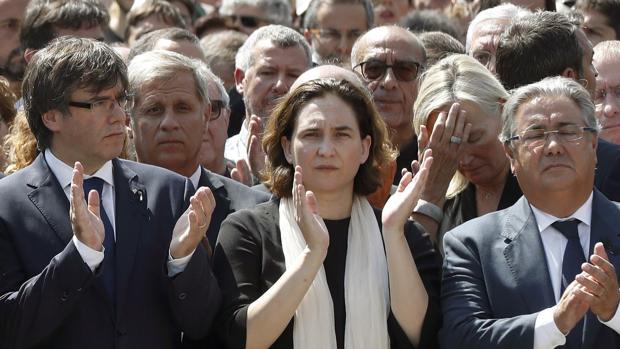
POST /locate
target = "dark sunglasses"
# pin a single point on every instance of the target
(375, 69)
(246, 21)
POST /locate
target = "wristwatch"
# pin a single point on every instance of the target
(429, 209)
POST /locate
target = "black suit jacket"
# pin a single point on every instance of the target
(230, 196)
(496, 280)
(248, 260)
(607, 175)
(49, 298)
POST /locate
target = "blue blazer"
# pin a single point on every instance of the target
(49, 298)
(496, 280)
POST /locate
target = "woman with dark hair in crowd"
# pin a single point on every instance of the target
(317, 267)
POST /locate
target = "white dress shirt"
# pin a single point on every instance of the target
(93, 258)
(236, 147)
(546, 333)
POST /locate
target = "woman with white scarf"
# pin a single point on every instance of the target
(318, 267)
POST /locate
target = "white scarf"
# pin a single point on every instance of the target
(366, 285)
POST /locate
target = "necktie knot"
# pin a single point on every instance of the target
(93, 183)
(568, 228)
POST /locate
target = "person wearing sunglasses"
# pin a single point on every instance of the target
(248, 15)
(389, 59)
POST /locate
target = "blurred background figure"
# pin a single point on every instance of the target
(601, 19)
(12, 63)
(439, 45)
(220, 50)
(332, 26)
(390, 11)
(606, 60)
(151, 15)
(7, 115)
(430, 20)
(249, 15)
(484, 32)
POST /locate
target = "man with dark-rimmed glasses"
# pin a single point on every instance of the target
(96, 251)
(542, 273)
(390, 60)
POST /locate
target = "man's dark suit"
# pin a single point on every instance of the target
(607, 175)
(49, 298)
(230, 196)
(496, 279)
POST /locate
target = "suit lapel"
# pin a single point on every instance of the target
(49, 198)
(605, 223)
(525, 256)
(222, 203)
(130, 213)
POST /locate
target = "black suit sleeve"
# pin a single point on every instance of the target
(468, 319)
(31, 310)
(194, 295)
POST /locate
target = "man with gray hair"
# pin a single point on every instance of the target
(332, 26)
(390, 60)
(494, 293)
(172, 111)
(606, 60)
(484, 31)
(249, 15)
(267, 64)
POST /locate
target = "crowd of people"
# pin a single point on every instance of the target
(316, 174)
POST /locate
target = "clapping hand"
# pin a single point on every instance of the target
(600, 283)
(399, 206)
(307, 215)
(85, 218)
(192, 226)
(256, 155)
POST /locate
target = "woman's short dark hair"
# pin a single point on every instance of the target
(278, 174)
(65, 65)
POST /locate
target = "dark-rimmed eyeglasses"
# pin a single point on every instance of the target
(375, 69)
(217, 108)
(535, 138)
(105, 105)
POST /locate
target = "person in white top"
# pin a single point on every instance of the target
(543, 272)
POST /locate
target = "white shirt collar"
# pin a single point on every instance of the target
(583, 213)
(195, 177)
(64, 172)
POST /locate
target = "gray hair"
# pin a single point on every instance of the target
(457, 78)
(315, 5)
(166, 65)
(606, 50)
(275, 11)
(502, 12)
(557, 86)
(279, 35)
(148, 41)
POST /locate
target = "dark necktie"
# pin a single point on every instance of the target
(571, 266)
(109, 259)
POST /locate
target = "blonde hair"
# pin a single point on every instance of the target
(20, 144)
(457, 78)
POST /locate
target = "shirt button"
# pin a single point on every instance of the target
(65, 296)
(182, 295)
